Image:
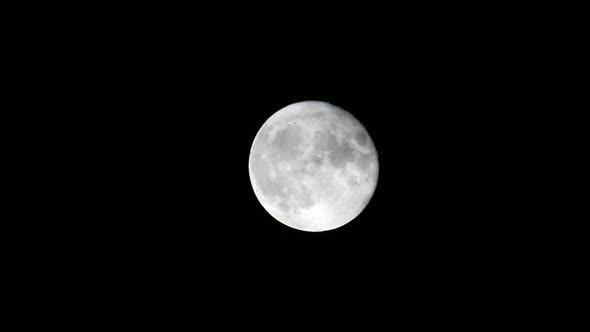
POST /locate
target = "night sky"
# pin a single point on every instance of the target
(155, 220)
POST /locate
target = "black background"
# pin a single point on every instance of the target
(153, 219)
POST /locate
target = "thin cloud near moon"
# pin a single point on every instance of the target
(313, 166)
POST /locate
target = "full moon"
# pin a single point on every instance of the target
(313, 166)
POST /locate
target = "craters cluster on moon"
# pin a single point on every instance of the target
(313, 166)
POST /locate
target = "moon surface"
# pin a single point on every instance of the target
(313, 166)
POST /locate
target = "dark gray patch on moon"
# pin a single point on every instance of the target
(364, 161)
(339, 153)
(361, 138)
(324, 141)
(342, 155)
(286, 142)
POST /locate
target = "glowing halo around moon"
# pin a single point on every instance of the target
(313, 166)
